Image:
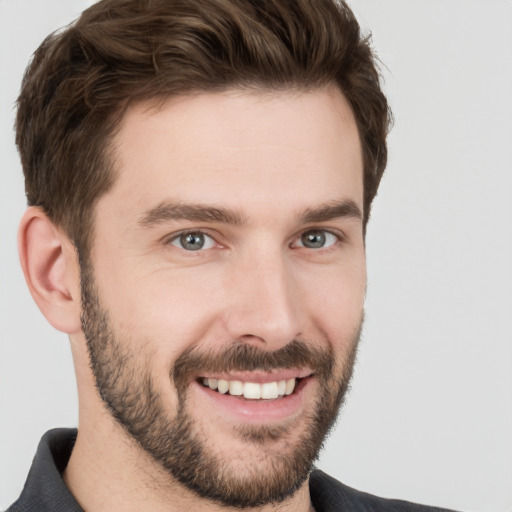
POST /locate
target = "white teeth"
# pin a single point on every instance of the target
(222, 386)
(236, 387)
(252, 390)
(269, 390)
(290, 386)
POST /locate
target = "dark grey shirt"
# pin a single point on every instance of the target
(45, 490)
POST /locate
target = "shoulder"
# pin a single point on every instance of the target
(329, 495)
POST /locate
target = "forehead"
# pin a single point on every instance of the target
(239, 148)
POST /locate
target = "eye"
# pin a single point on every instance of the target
(317, 239)
(193, 241)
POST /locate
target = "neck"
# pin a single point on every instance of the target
(108, 471)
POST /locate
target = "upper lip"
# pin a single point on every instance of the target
(259, 376)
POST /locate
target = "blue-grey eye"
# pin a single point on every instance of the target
(317, 239)
(193, 241)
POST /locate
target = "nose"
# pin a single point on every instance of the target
(264, 304)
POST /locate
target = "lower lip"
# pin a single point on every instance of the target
(258, 411)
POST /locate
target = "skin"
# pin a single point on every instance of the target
(269, 158)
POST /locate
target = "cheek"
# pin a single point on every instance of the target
(166, 310)
(335, 299)
(163, 312)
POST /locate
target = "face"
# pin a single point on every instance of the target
(223, 297)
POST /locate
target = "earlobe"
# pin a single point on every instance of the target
(50, 265)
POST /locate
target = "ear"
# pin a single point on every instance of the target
(50, 264)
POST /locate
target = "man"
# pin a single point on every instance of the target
(200, 176)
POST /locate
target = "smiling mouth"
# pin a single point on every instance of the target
(252, 390)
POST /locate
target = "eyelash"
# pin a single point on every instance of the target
(178, 236)
(339, 237)
(325, 232)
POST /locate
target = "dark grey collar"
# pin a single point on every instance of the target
(45, 490)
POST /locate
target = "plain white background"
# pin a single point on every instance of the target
(429, 417)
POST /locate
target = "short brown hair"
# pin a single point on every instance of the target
(82, 79)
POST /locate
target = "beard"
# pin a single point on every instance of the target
(126, 386)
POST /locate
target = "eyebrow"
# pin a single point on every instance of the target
(330, 211)
(167, 211)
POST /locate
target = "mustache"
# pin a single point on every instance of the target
(242, 357)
